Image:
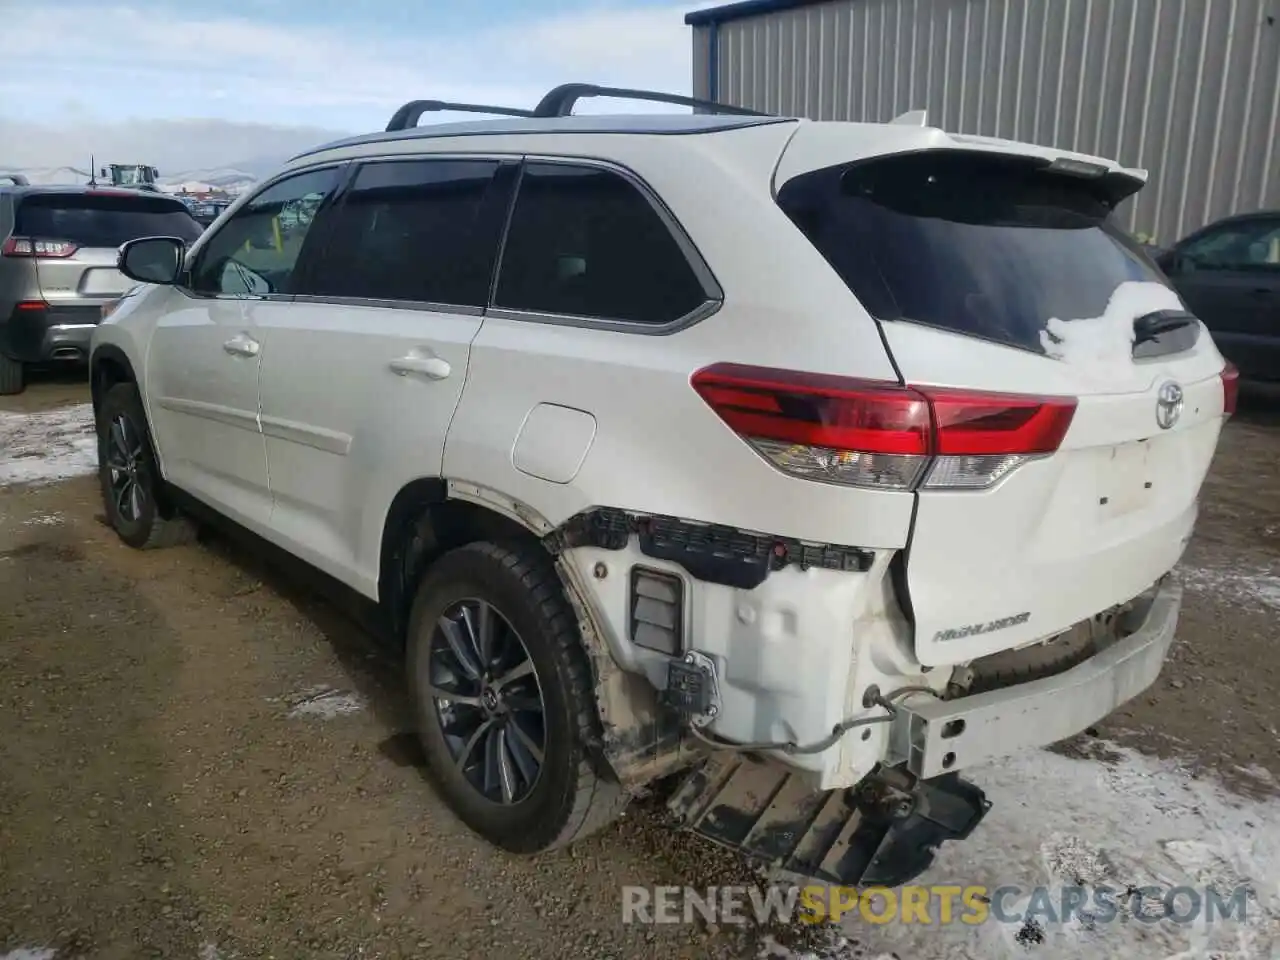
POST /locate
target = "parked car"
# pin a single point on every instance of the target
(207, 211)
(1229, 275)
(812, 462)
(58, 249)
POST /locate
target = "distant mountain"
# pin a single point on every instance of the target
(49, 175)
(227, 178)
(232, 178)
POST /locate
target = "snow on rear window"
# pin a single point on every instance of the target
(988, 246)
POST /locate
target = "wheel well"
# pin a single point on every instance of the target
(422, 524)
(107, 369)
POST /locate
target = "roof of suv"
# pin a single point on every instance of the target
(639, 124)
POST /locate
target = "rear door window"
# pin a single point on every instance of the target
(991, 247)
(585, 242)
(413, 230)
(103, 219)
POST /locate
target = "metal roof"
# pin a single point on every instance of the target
(656, 123)
(744, 8)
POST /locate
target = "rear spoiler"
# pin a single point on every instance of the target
(17, 179)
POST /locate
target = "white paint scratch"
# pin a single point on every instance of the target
(30, 953)
(47, 445)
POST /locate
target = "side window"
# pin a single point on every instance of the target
(586, 242)
(412, 230)
(255, 252)
(1250, 245)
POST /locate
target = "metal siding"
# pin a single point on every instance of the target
(1189, 89)
(702, 62)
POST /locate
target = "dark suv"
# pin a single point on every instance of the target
(58, 265)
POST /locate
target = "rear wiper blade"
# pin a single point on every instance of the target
(1149, 326)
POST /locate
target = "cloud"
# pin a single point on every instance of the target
(184, 90)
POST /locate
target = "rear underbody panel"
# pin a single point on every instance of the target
(884, 832)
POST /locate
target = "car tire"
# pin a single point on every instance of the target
(485, 776)
(132, 488)
(12, 376)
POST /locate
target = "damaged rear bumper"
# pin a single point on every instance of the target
(931, 737)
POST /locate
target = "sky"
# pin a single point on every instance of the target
(206, 83)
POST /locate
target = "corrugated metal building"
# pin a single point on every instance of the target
(1189, 89)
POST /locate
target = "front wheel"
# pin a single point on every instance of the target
(129, 476)
(503, 698)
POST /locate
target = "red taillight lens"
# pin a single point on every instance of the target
(883, 435)
(1230, 388)
(34, 247)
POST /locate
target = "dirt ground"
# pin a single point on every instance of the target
(201, 759)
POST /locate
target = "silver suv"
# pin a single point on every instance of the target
(58, 265)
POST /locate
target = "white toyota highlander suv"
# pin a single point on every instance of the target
(812, 462)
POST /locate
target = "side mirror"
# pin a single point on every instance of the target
(152, 259)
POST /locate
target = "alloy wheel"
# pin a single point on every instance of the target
(124, 461)
(488, 699)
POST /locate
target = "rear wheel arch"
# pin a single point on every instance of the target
(421, 525)
(425, 523)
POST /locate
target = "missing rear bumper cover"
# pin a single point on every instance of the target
(709, 552)
(884, 832)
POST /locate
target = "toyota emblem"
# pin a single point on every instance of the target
(1168, 404)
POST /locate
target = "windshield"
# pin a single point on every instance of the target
(989, 246)
(103, 220)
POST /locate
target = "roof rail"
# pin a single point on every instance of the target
(408, 115)
(559, 102)
(17, 179)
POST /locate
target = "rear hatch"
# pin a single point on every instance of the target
(74, 236)
(1071, 404)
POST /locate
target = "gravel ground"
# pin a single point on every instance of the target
(204, 760)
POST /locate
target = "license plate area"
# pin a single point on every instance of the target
(1126, 480)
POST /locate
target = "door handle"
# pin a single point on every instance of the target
(242, 346)
(431, 367)
(1261, 291)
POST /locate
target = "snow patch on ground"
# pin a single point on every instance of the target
(324, 703)
(1234, 583)
(44, 520)
(47, 445)
(1131, 820)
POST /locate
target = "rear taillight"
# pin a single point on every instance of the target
(34, 247)
(883, 435)
(1230, 388)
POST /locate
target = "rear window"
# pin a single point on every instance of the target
(103, 220)
(991, 247)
